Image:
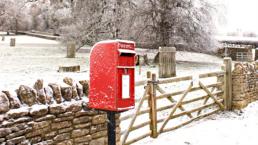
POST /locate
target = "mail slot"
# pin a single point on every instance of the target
(112, 65)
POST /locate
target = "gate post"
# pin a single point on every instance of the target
(167, 62)
(256, 54)
(152, 105)
(228, 83)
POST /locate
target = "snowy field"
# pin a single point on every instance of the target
(35, 58)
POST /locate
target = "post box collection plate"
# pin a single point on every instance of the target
(125, 87)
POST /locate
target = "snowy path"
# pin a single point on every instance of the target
(226, 128)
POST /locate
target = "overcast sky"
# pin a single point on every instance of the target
(241, 15)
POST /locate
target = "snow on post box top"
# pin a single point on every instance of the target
(110, 61)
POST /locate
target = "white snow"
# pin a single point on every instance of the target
(18, 110)
(237, 38)
(29, 41)
(225, 128)
(116, 40)
(37, 107)
(24, 65)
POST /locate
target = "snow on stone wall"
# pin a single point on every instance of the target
(40, 94)
(245, 84)
(53, 114)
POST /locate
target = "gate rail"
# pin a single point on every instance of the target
(211, 98)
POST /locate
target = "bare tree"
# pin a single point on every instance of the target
(173, 22)
(96, 20)
(4, 20)
(186, 23)
(14, 12)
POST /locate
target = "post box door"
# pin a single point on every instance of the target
(125, 70)
(125, 88)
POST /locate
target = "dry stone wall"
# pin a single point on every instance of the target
(245, 84)
(51, 115)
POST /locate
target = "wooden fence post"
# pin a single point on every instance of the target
(12, 42)
(228, 83)
(140, 64)
(71, 50)
(167, 62)
(153, 107)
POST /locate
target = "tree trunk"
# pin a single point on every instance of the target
(163, 26)
(16, 26)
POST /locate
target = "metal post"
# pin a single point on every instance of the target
(111, 127)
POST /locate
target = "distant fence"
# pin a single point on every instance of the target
(40, 35)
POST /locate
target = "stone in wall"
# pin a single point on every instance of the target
(49, 94)
(67, 92)
(79, 90)
(27, 95)
(14, 101)
(56, 92)
(38, 84)
(4, 103)
(41, 95)
(85, 86)
(70, 82)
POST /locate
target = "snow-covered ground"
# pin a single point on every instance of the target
(28, 41)
(36, 58)
(226, 128)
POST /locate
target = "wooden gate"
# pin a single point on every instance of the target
(169, 104)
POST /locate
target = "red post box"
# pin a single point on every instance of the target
(112, 75)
